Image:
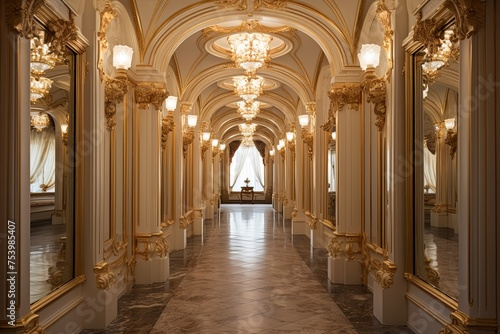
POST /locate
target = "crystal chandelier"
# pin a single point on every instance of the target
(248, 110)
(39, 87)
(441, 57)
(247, 130)
(40, 121)
(247, 87)
(247, 141)
(250, 50)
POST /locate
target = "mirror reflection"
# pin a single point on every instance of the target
(332, 140)
(51, 167)
(436, 243)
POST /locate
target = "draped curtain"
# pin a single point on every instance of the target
(247, 162)
(429, 170)
(42, 160)
(237, 165)
(255, 160)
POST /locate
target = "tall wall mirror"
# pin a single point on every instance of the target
(435, 72)
(52, 165)
(331, 170)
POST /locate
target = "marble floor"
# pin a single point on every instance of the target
(247, 274)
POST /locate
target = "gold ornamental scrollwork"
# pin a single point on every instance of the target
(461, 323)
(114, 92)
(107, 15)
(147, 93)
(32, 325)
(187, 139)
(348, 246)
(384, 276)
(167, 126)
(64, 32)
(104, 277)
(340, 95)
(186, 219)
(308, 139)
(376, 93)
(248, 26)
(152, 244)
(271, 4)
(469, 16)
(21, 17)
(240, 4)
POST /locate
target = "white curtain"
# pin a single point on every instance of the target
(42, 160)
(237, 165)
(429, 170)
(247, 163)
(331, 170)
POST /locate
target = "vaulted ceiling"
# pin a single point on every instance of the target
(190, 38)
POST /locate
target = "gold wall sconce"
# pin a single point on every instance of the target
(281, 148)
(451, 136)
(64, 134)
(374, 87)
(215, 148)
(204, 143)
(167, 121)
(222, 147)
(290, 138)
(307, 134)
(116, 88)
(272, 152)
(188, 132)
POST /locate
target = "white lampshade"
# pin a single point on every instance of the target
(290, 135)
(205, 136)
(304, 120)
(64, 128)
(271, 152)
(191, 120)
(449, 123)
(369, 56)
(281, 143)
(334, 135)
(171, 103)
(222, 147)
(215, 142)
(122, 56)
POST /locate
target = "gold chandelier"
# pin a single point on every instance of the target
(250, 50)
(434, 61)
(40, 121)
(247, 87)
(248, 110)
(39, 87)
(247, 130)
(41, 58)
(247, 141)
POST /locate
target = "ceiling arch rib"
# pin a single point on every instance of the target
(336, 45)
(221, 124)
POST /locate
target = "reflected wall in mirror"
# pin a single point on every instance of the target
(51, 167)
(331, 164)
(435, 145)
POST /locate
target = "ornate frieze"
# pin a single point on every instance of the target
(340, 95)
(104, 276)
(243, 4)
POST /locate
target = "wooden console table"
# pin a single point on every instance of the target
(246, 191)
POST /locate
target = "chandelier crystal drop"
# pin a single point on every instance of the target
(247, 141)
(247, 130)
(39, 87)
(247, 87)
(250, 50)
(248, 110)
(40, 121)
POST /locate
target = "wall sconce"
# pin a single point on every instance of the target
(64, 133)
(188, 132)
(451, 137)
(290, 137)
(222, 147)
(375, 88)
(116, 88)
(215, 148)
(205, 143)
(167, 121)
(334, 136)
(272, 153)
(281, 148)
(307, 135)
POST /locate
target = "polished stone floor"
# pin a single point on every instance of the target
(247, 274)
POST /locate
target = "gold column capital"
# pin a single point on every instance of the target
(114, 92)
(167, 126)
(341, 94)
(150, 92)
(376, 94)
(20, 16)
(186, 107)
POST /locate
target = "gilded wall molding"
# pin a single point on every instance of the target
(239, 4)
(186, 107)
(31, 324)
(248, 26)
(257, 4)
(64, 33)
(341, 94)
(345, 245)
(105, 278)
(21, 17)
(376, 260)
(375, 90)
(149, 245)
(461, 323)
(186, 219)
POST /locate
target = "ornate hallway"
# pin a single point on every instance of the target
(247, 275)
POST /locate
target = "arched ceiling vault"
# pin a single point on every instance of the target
(173, 38)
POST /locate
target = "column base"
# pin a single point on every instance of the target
(152, 271)
(198, 225)
(389, 305)
(299, 227)
(343, 271)
(439, 219)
